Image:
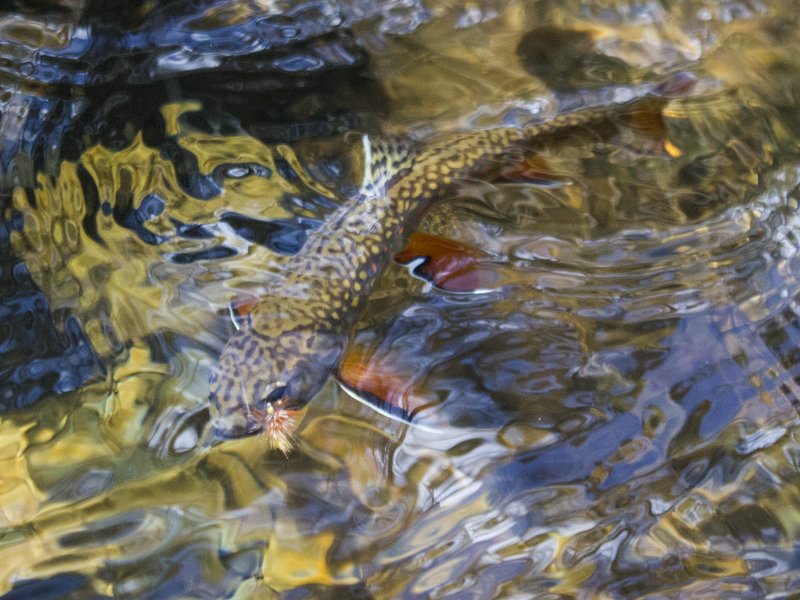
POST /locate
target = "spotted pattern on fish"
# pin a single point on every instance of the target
(294, 336)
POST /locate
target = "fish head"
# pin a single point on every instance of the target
(262, 382)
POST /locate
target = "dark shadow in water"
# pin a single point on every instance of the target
(36, 358)
(304, 76)
(284, 77)
(66, 585)
(566, 59)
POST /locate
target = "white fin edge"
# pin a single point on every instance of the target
(355, 396)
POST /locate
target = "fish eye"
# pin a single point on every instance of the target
(277, 391)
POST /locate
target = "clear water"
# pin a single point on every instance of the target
(613, 416)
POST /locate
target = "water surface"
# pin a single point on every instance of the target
(611, 412)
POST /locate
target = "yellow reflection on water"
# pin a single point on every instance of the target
(622, 304)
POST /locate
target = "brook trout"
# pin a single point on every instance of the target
(293, 337)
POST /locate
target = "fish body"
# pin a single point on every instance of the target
(294, 336)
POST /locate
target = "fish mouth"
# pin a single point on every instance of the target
(250, 427)
(276, 421)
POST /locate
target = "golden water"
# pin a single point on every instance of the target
(617, 420)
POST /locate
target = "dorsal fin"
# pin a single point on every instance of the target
(384, 158)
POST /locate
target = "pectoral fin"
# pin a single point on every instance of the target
(450, 265)
(368, 378)
(239, 309)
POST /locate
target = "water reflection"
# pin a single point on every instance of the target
(613, 415)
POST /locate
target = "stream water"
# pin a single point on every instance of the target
(610, 400)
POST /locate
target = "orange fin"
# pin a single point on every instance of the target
(240, 307)
(387, 389)
(449, 265)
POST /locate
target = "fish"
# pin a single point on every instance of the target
(293, 337)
